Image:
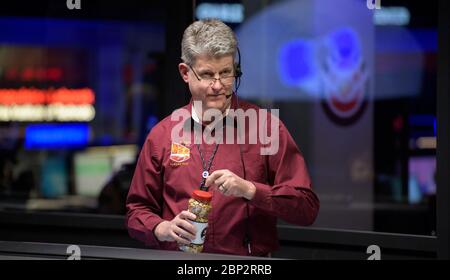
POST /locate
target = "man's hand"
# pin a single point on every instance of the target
(178, 229)
(229, 183)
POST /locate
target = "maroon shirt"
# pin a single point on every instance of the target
(161, 188)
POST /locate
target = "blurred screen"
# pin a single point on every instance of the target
(422, 178)
(95, 166)
(54, 177)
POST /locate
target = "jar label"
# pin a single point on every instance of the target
(201, 232)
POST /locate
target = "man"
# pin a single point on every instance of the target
(250, 189)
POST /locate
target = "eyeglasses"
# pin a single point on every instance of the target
(226, 79)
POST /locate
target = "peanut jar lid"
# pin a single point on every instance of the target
(202, 196)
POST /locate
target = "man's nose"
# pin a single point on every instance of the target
(217, 85)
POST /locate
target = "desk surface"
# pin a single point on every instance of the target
(11, 250)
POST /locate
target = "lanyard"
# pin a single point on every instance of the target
(206, 167)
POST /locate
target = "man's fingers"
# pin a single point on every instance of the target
(213, 176)
(226, 192)
(186, 226)
(220, 181)
(183, 222)
(187, 215)
(179, 239)
(184, 234)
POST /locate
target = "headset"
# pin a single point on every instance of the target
(238, 75)
(238, 70)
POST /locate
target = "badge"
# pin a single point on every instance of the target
(179, 153)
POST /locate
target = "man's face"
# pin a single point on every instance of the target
(211, 94)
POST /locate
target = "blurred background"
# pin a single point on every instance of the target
(355, 85)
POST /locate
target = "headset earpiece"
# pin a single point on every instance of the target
(237, 69)
(237, 65)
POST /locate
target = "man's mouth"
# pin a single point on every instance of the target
(215, 95)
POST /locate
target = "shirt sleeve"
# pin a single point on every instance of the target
(144, 198)
(289, 195)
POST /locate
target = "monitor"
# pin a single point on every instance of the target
(95, 166)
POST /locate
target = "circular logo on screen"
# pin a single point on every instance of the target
(345, 106)
(344, 78)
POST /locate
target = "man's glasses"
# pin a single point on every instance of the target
(226, 79)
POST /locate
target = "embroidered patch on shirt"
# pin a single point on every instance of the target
(179, 153)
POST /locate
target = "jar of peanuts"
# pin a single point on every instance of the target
(200, 205)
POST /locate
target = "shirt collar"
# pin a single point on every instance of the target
(194, 121)
(197, 119)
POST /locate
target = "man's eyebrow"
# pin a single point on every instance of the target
(227, 68)
(205, 70)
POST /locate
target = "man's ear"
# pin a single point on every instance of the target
(184, 69)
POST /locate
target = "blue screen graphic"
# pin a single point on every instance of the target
(56, 136)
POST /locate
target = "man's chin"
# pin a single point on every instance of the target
(216, 104)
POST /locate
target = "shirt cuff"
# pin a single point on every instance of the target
(262, 197)
(150, 225)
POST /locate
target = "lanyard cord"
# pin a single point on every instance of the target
(206, 168)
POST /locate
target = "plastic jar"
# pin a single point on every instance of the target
(200, 205)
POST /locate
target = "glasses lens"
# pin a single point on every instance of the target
(226, 81)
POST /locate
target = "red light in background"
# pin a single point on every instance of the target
(54, 74)
(50, 96)
(397, 124)
(27, 74)
(33, 74)
(21, 96)
(11, 74)
(40, 74)
(72, 96)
